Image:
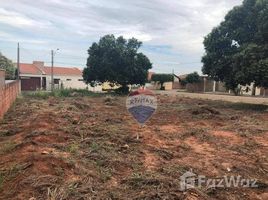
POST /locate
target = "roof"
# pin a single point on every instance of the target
(63, 71)
(30, 69)
(33, 69)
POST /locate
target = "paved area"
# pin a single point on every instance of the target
(230, 98)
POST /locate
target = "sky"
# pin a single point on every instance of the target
(172, 31)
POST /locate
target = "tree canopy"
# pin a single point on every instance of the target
(116, 60)
(162, 78)
(193, 78)
(237, 50)
(8, 66)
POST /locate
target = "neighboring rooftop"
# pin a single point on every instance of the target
(38, 68)
(150, 75)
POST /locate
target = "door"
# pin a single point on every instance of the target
(30, 83)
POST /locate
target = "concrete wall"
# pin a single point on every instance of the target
(206, 85)
(157, 86)
(220, 87)
(178, 85)
(8, 93)
(263, 91)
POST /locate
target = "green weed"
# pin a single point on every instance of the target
(7, 147)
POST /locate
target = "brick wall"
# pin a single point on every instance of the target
(8, 93)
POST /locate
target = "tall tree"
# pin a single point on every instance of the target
(236, 50)
(116, 60)
(8, 66)
(162, 78)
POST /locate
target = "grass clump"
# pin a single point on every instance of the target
(38, 94)
(7, 147)
(73, 148)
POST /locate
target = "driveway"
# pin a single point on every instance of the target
(230, 98)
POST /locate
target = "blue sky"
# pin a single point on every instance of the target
(172, 31)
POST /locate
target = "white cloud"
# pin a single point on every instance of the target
(19, 20)
(75, 24)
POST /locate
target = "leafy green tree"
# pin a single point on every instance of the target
(162, 78)
(116, 60)
(183, 82)
(193, 78)
(8, 66)
(236, 50)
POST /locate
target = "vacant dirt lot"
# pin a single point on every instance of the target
(85, 148)
(219, 97)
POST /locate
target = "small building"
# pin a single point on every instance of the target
(37, 76)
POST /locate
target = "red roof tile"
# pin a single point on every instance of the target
(72, 71)
(38, 70)
(29, 69)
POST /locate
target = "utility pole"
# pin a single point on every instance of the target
(18, 61)
(52, 70)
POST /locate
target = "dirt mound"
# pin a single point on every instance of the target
(205, 110)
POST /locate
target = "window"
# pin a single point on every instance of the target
(68, 79)
(56, 81)
(80, 79)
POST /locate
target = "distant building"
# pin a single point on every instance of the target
(37, 76)
(150, 74)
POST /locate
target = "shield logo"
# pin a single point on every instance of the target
(141, 104)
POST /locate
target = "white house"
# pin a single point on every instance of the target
(37, 76)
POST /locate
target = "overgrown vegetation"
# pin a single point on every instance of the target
(62, 93)
(8, 66)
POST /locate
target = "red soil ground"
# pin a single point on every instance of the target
(85, 148)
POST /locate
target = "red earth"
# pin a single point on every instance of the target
(86, 148)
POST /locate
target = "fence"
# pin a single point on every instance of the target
(9, 91)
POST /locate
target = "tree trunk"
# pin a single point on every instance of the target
(253, 89)
(162, 86)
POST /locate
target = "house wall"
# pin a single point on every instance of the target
(247, 90)
(258, 91)
(8, 93)
(75, 82)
